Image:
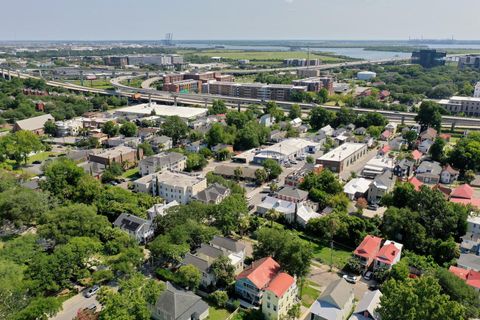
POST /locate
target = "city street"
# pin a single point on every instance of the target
(75, 303)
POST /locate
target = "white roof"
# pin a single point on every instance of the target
(172, 179)
(281, 206)
(288, 146)
(34, 123)
(380, 163)
(355, 185)
(473, 219)
(306, 213)
(460, 98)
(160, 208)
(145, 109)
(342, 152)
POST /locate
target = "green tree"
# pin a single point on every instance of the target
(129, 129)
(295, 112)
(272, 215)
(345, 116)
(22, 206)
(41, 308)
(147, 149)
(110, 128)
(189, 276)
(62, 178)
(466, 153)
(419, 298)
(20, 144)
(322, 95)
(429, 115)
(50, 128)
(215, 135)
(228, 212)
(195, 162)
(219, 298)
(175, 128)
(274, 110)
(223, 270)
(320, 117)
(436, 150)
(218, 107)
(272, 168)
(261, 176)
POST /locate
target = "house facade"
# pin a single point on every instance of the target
(279, 296)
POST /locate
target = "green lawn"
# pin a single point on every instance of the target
(309, 293)
(217, 313)
(97, 84)
(266, 55)
(130, 173)
(323, 253)
(136, 83)
(42, 156)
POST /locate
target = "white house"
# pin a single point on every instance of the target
(425, 146)
(140, 229)
(267, 120)
(335, 302)
(388, 255)
(357, 188)
(327, 130)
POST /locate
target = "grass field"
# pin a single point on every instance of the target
(265, 55)
(136, 83)
(130, 173)
(323, 253)
(309, 293)
(215, 313)
(42, 156)
(97, 84)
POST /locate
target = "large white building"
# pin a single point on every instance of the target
(171, 186)
(173, 161)
(148, 109)
(476, 93)
(366, 75)
(286, 150)
(343, 156)
(470, 106)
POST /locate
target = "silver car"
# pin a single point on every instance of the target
(91, 291)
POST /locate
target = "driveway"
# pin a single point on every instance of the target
(71, 306)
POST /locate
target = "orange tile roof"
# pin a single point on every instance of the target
(474, 202)
(471, 277)
(280, 284)
(388, 253)
(261, 272)
(369, 247)
(464, 191)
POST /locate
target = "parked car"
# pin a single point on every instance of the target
(293, 161)
(349, 278)
(91, 291)
(37, 162)
(91, 307)
(373, 207)
(368, 275)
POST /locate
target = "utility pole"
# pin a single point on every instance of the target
(331, 254)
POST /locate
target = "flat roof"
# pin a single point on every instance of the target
(145, 109)
(342, 152)
(114, 152)
(288, 146)
(173, 178)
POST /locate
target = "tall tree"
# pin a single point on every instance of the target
(429, 115)
(175, 128)
(320, 117)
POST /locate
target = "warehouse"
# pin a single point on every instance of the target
(343, 156)
(148, 109)
(286, 150)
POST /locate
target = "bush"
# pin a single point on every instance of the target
(166, 275)
(219, 298)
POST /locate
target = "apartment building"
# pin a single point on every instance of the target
(126, 156)
(469, 106)
(171, 186)
(173, 161)
(476, 93)
(469, 62)
(315, 84)
(184, 86)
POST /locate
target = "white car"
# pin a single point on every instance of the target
(368, 275)
(349, 278)
(91, 291)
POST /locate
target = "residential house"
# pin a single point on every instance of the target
(252, 282)
(448, 175)
(279, 296)
(473, 226)
(160, 143)
(222, 146)
(234, 249)
(292, 194)
(277, 136)
(173, 161)
(140, 229)
(304, 212)
(178, 304)
(213, 194)
(303, 128)
(384, 150)
(229, 171)
(428, 172)
(392, 127)
(327, 131)
(360, 131)
(368, 140)
(404, 168)
(195, 146)
(335, 302)
(428, 134)
(295, 123)
(350, 127)
(397, 143)
(171, 186)
(339, 131)
(367, 251)
(132, 142)
(469, 261)
(471, 277)
(160, 209)
(425, 145)
(416, 156)
(357, 188)
(296, 177)
(388, 255)
(386, 135)
(417, 184)
(381, 185)
(34, 124)
(377, 166)
(294, 212)
(203, 259)
(267, 120)
(464, 194)
(366, 308)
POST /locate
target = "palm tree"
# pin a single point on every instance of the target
(243, 224)
(272, 215)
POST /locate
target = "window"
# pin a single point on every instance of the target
(274, 308)
(268, 305)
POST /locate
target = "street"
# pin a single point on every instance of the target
(71, 306)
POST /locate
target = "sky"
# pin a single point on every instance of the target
(239, 19)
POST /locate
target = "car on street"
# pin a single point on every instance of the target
(91, 291)
(373, 207)
(349, 278)
(91, 307)
(367, 275)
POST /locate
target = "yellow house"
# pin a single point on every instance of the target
(279, 296)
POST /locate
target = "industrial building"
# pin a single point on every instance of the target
(147, 109)
(138, 60)
(429, 58)
(366, 75)
(285, 151)
(469, 62)
(343, 156)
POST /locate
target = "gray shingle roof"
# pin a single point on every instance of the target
(228, 244)
(198, 262)
(34, 123)
(130, 222)
(293, 192)
(338, 293)
(207, 250)
(178, 304)
(212, 193)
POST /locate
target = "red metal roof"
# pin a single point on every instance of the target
(261, 272)
(464, 192)
(416, 183)
(386, 134)
(280, 284)
(385, 148)
(474, 201)
(369, 247)
(388, 253)
(471, 277)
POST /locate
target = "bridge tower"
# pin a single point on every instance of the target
(81, 77)
(403, 120)
(453, 126)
